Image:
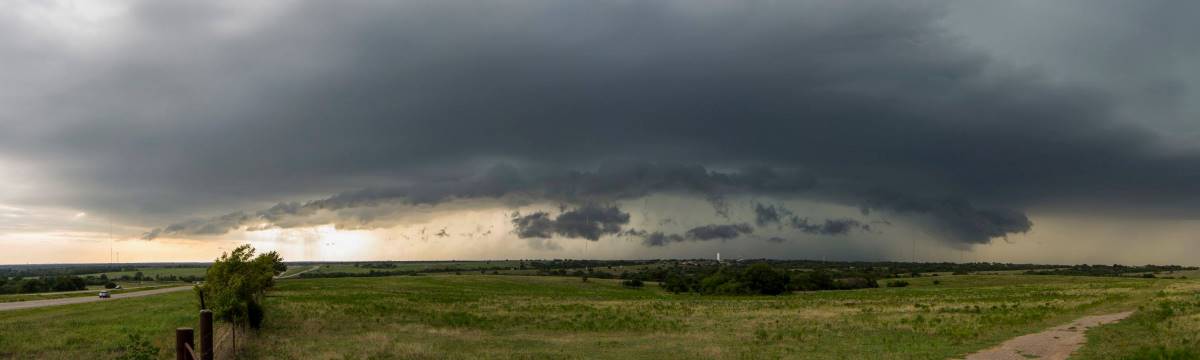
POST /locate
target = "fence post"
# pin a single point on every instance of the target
(206, 335)
(183, 341)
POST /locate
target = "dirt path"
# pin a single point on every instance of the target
(1057, 343)
(85, 299)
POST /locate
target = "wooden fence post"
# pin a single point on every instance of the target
(206, 334)
(184, 344)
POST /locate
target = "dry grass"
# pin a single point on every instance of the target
(546, 317)
(522, 317)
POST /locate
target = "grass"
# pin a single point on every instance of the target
(414, 266)
(1167, 327)
(485, 316)
(554, 317)
(150, 272)
(96, 330)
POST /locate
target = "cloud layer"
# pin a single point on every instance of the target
(248, 118)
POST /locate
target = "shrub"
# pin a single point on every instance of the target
(855, 283)
(937, 282)
(815, 280)
(763, 279)
(716, 283)
(110, 285)
(897, 283)
(632, 283)
(676, 283)
(136, 347)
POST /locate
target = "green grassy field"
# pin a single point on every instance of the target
(152, 271)
(1166, 327)
(485, 316)
(413, 266)
(97, 330)
(554, 317)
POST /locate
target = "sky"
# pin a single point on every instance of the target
(1014, 131)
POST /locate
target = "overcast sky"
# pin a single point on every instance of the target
(1023, 131)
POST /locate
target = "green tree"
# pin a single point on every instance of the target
(763, 279)
(236, 283)
(676, 283)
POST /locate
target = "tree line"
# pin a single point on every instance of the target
(1110, 270)
(755, 279)
(40, 285)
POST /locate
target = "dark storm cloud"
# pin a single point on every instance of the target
(718, 232)
(769, 214)
(710, 232)
(956, 218)
(772, 214)
(829, 227)
(589, 222)
(658, 238)
(611, 181)
(535, 225)
(413, 101)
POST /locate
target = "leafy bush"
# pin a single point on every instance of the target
(811, 281)
(897, 283)
(137, 347)
(632, 283)
(854, 283)
(677, 283)
(763, 279)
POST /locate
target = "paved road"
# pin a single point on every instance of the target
(85, 299)
(93, 291)
(289, 276)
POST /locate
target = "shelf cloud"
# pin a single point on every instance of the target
(196, 120)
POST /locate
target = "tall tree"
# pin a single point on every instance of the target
(236, 282)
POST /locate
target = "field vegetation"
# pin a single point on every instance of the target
(473, 315)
